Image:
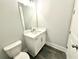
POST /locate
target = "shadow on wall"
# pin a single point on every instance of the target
(3, 54)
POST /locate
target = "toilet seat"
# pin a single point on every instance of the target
(22, 55)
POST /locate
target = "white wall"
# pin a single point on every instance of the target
(55, 15)
(10, 25)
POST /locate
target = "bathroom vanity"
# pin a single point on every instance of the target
(35, 40)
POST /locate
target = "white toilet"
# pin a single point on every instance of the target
(14, 51)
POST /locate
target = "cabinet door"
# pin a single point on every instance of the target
(40, 44)
(43, 39)
(37, 44)
(30, 43)
(34, 45)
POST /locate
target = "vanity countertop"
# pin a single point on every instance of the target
(35, 33)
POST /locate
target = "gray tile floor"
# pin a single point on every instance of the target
(49, 53)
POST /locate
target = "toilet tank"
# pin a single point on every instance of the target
(13, 49)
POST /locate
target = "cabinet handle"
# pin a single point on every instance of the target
(73, 11)
(41, 39)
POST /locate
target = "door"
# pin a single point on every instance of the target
(72, 51)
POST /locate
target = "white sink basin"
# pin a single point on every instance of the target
(34, 33)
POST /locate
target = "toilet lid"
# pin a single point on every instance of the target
(22, 55)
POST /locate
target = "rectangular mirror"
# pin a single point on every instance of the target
(27, 11)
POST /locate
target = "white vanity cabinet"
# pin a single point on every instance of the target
(35, 41)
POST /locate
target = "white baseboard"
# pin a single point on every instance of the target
(56, 46)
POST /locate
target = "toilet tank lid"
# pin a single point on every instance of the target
(12, 45)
